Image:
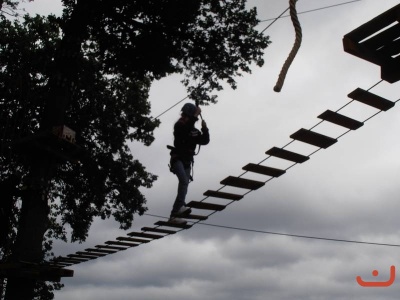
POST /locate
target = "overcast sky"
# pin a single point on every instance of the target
(348, 191)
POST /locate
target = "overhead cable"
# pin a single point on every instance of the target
(311, 10)
(289, 234)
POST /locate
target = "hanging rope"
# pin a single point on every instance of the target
(296, 46)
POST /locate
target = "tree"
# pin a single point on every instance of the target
(9, 7)
(91, 70)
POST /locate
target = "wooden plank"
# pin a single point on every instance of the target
(111, 247)
(383, 38)
(120, 244)
(391, 49)
(242, 183)
(87, 257)
(171, 224)
(54, 263)
(145, 235)
(196, 217)
(206, 205)
(34, 271)
(287, 155)
(60, 264)
(101, 251)
(217, 194)
(340, 120)
(264, 170)
(376, 24)
(362, 52)
(133, 240)
(67, 261)
(91, 253)
(371, 99)
(70, 260)
(313, 138)
(159, 230)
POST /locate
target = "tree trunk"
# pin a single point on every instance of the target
(35, 209)
(31, 228)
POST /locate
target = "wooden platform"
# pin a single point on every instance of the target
(44, 272)
(377, 41)
(47, 142)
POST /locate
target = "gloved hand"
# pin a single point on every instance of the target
(203, 124)
(197, 112)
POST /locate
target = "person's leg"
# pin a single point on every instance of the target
(183, 174)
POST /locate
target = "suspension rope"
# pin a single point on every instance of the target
(296, 46)
(285, 146)
(289, 234)
(313, 10)
(69, 261)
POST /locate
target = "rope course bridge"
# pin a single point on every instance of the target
(375, 42)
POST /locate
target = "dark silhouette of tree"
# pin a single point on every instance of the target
(91, 70)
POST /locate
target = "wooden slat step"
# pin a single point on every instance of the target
(70, 263)
(171, 224)
(87, 257)
(223, 195)
(71, 260)
(196, 217)
(133, 240)
(340, 120)
(313, 138)
(110, 247)
(264, 170)
(91, 253)
(91, 250)
(371, 99)
(242, 183)
(145, 235)
(61, 264)
(206, 205)
(288, 155)
(159, 230)
(121, 244)
(56, 262)
(74, 257)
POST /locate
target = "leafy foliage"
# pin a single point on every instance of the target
(108, 53)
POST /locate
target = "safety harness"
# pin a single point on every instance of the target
(172, 148)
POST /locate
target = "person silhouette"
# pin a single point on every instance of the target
(186, 138)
